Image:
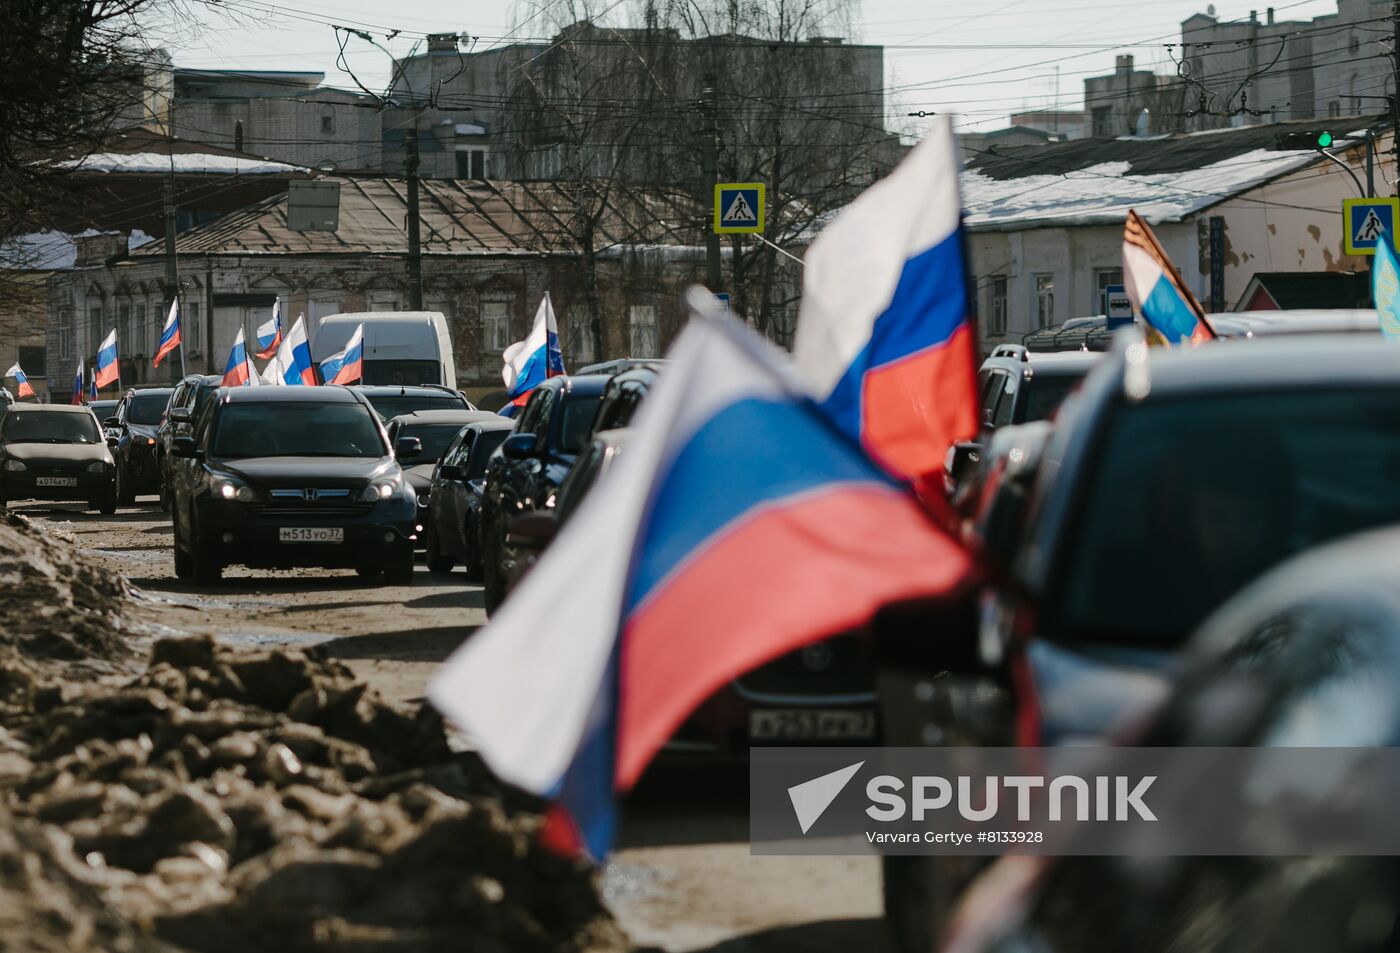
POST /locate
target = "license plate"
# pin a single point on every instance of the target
(811, 724)
(310, 534)
(55, 481)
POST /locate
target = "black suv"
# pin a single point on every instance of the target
(185, 404)
(551, 431)
(277, 477)
(390, 401)
(435, 430)
(454, 500)
(55, 452)
(138, 416)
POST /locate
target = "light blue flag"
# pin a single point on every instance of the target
(1385, 287)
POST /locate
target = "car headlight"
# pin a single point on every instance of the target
(15, 466)
(228, 490)
(379, 490)
(97, 466)
(150, 441)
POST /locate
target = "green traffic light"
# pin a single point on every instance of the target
(1324, 139)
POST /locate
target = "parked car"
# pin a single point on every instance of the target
(401, 347)
(55, 452)
(279, 477)
(458, 482)
(391, 402)
(551, 431)
(138, 416)
(434, 430)
(1307, 657)
(187, 400)
(1171, 480)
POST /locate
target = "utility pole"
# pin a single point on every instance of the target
(710, 167)
(415, 250)
(172, 275)
(1395, 87)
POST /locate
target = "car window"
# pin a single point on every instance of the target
(535, 418)
(1045, 393)
(620, 406)
(434, 437)
(580, 479)
(485, 444)
(1192, 499)
(19, 427)
(1005, 401)
(407, 373)
(296, 429)
(390, 406)
(146, 408)
(461, 448)
(577, 423)
(991, 392)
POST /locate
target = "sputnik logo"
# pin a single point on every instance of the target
(810, 799)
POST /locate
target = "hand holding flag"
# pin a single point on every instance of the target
(25, 388)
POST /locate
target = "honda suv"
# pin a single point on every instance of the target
(279, 477)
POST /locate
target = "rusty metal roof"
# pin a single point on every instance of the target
(459, 217)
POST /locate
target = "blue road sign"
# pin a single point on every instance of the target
(1117, 306)
(739, 207)
(1365, 220)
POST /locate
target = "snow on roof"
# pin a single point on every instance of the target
(1102, 194)
(188, 163)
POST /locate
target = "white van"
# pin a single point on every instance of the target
(401, 347)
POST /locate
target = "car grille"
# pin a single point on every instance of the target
(836, 667)
(312, 511)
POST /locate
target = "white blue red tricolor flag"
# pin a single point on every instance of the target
(529, 363)
(294, 356)
(885, 333)
(239, 371)
(270, 333)
(347, 365)
(25, 388)
(108, 371)
(688, 565)
(79, 383)
(1385, 287)
(1156, 289)
(169, 334)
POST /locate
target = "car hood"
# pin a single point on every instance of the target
(310, 470)
(57, 453)
(420, 476)
(143, 430)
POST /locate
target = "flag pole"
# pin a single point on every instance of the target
(180, 319)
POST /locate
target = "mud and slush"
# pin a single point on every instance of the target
(188, 796)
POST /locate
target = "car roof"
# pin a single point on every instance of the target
(413, 390)
(167, 391)
(1323, 361)
(49, 408)
(498, 423)
(645, 373)
(442, 417)
(618, 365)
(327, 394)
(1301, 321)
(584, 385)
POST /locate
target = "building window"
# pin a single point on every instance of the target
(124, 336)
(641, 330)
(65, 333)
(1104, 277)
(379, 302)
(996, 306)
(1103, 120)
(1044, 300)
(327, 121)
(1334, 108)
(140, 327)
(193, 328)
(580, 338)
(95, 330)
(495, 325)
(33, 360)
(471, 164)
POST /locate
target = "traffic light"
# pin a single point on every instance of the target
(1305, 140)
(1324, 140)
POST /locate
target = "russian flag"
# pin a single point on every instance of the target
(170, 334)
(529, 363)
(270, 333)
(294, 357)
(26, 389)
(108, 371)
(688, 565)
(79, 383)
(347, 365)
(1156, 289)
(884, 334)
(238, 372)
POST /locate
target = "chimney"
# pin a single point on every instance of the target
(1269, 16)
(1124, 65)
(442, 42)
(1253, 16)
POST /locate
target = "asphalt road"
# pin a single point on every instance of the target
(682, 880)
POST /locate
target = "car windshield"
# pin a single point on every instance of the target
(486, 443)
(146, 408)
(435, 438)
(390, 406)
(1192, 499)
(577, 424)
(407, 373)
(49, 427)
(297, 429)
(103, 408)
(1046, 392)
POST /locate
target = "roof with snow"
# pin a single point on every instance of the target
(1166, 178)
(184, 163)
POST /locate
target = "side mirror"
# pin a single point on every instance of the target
(406, 448)
(111, 422)
(450, 471)
(963, 458)
(180, 415)
(184, 448)
(520, 446)
(532, 531)
(112, 442)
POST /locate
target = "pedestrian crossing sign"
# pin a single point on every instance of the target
(739, 207)
(1364, 221)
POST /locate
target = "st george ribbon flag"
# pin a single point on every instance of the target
(239, 371)
(294, 356)
(270, 332)
(79, 383)
(1156, 289)
(688, 565)
(529, 363)
(885, 335)
(1385, 287)
(346, 366)
(25, 388)
(169, 334)
(108, 369)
